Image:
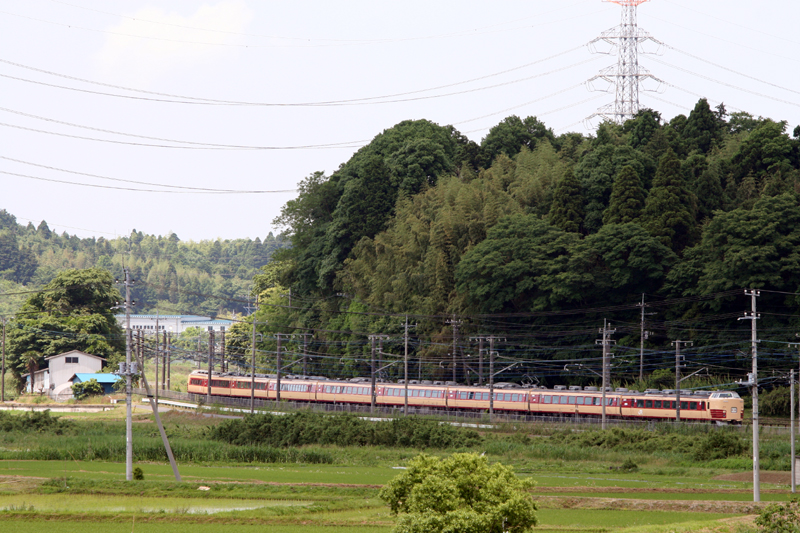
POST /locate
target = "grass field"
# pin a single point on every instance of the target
(579, 488)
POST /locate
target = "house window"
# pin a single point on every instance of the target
(71, 360)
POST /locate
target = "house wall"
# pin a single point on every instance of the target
(61, 371)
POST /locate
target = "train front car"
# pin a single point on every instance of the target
(726, 407)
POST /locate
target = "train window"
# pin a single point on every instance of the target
(348, 390)
(572, 400)
(639, 403)
(648, 404)
(261, 386)
(693, 406)
(485, 396)
(564, 399)
(657, 404)
(546, 399)
(579, 400)
(702, 406)
(327, 389)
(609, 401)
(684, 405)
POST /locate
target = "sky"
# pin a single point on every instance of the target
(104, 102)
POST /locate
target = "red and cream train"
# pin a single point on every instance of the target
(711, 406)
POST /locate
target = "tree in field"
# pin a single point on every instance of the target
(627, 198)
(462, 493)
(72, 312)
(566, 211)
(669, 212)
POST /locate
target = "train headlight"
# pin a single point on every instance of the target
(733, 409)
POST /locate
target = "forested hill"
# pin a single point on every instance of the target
(173, 275)
(538, 237)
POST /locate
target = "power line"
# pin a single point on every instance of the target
(708, 78)
(195, 189)
(131, 189)
(351, 101)
(150, 145)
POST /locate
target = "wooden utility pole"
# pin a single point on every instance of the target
(3, 373)
(455, 323)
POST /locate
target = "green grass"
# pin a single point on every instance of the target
(193, 473)
(617, 519)
(128, 525)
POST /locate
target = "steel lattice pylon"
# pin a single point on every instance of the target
(627, 76)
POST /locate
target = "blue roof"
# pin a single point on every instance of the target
(100, 378)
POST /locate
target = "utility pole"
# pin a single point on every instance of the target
(279, 361)
(606, 342)
(794, 467)
(3, 373)
(129, 370)
(154, 406)
(223, 368)
(169, 359)
(678, 365)
(455, 323)
(156, 355)
(753, 382)
(373, 371)
(210, 362)
(405, 366)
(305, 352)
(253, 368)
(643, 336)
(794, 453)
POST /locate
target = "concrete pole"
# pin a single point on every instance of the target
(491, 378)
(128, 389)
(210, 362)
(756, 452)
(253, 368)
(794, 466)
(279, 362)
(405, 369)
(372, 376)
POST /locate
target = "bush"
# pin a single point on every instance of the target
(85, 389)
(138, 474)
(32, 422)
(719, 445)
(302, 429)
(780, 518)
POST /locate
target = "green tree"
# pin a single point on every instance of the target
(520, 266)
(669, 211)
(72, 312)
(510, 135)
(702, 128)
(627, 198)
(84, 389)
(462, 493)
(566, 211)
(642, 127)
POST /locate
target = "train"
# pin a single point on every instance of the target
(721, 406)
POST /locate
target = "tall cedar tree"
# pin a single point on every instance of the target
(566, 211)
(702, 128)
(669, 210)
(627, 198)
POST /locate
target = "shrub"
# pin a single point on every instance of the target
(85, 389)
(779, 518)
(306, 428)
(138, 474)
(719, 445)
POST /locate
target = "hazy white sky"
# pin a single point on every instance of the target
(311, 51)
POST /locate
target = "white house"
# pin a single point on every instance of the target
(56, 379)
(173, 323)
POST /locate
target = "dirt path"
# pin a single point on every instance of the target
(629, 504)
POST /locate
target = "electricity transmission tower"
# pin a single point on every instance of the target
(627, 76)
